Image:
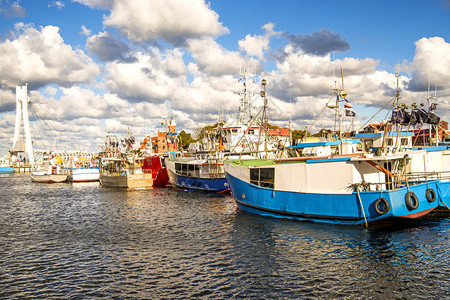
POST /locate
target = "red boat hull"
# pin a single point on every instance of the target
(154, 164)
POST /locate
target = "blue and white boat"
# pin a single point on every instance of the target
(83, 168)
(348, 188)
(369, 178)
(202, 169)
(197, 174)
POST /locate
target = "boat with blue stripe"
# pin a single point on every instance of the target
(191, 174)
(352, 188)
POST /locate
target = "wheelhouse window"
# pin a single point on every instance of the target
(367, 145)
(263, 177)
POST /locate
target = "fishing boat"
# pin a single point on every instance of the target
(332, 181)
(48, 173)
(124, 172)
(155, 165)
(202, 169)
(346, 188)
(83, 171)
(122, 169)
(197, 173)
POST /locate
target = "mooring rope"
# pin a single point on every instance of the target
(362, 207)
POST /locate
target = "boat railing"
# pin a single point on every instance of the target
(428, 176)
(411, 179)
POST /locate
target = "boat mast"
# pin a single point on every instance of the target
(339, 93)
(245, 105)
(264, 116)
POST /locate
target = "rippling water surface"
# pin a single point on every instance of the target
(81, 240)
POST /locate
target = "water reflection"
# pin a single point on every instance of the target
(82, 240)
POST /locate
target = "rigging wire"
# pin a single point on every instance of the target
(395, 97)
(8, 111)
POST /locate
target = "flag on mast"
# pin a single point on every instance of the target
(349, 111)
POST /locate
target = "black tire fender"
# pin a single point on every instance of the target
(411, 200)
(385, 206)
(431, 195)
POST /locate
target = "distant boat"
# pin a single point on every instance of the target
(122, 170)
(5, 167)
(83, 171)
(6, 170)
(48, 174)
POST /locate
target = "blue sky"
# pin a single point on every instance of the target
(94, 66)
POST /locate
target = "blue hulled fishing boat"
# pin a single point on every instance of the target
(366, 178)
(202, 168)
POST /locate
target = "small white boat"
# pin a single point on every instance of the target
(83, 171)
(48, 174)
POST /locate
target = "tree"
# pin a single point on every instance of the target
(185, 139)
(298, 135)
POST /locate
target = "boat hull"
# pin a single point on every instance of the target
(127, 181)
(84, 174)
(331, 208)
(6, 170)
(49, 178)
(153, 165)
(161, 178)
(444, 193)
(209, 185)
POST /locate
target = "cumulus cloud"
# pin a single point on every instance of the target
(169, 20)
(153, 77)
(431, 64)
(40, 57)
(255, 45)
(320, 43)
(108, 48)
(212, 58)
(11, 10)
(85, 31)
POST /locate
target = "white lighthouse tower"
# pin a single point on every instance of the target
(20, 145)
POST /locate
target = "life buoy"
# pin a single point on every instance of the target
(431, 195)
(382, 206)
(411, 200)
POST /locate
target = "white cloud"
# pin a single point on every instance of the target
(169, 20)
(431, 63)
(153, 77)
(57, 4)
(40, 57)
(104, 4)
(212, 58)
(255, 45)
(85, 31)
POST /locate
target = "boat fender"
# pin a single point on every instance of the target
(431, 195)
(411, 200)
(384, 207)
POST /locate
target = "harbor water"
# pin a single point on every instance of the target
(73, 241)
